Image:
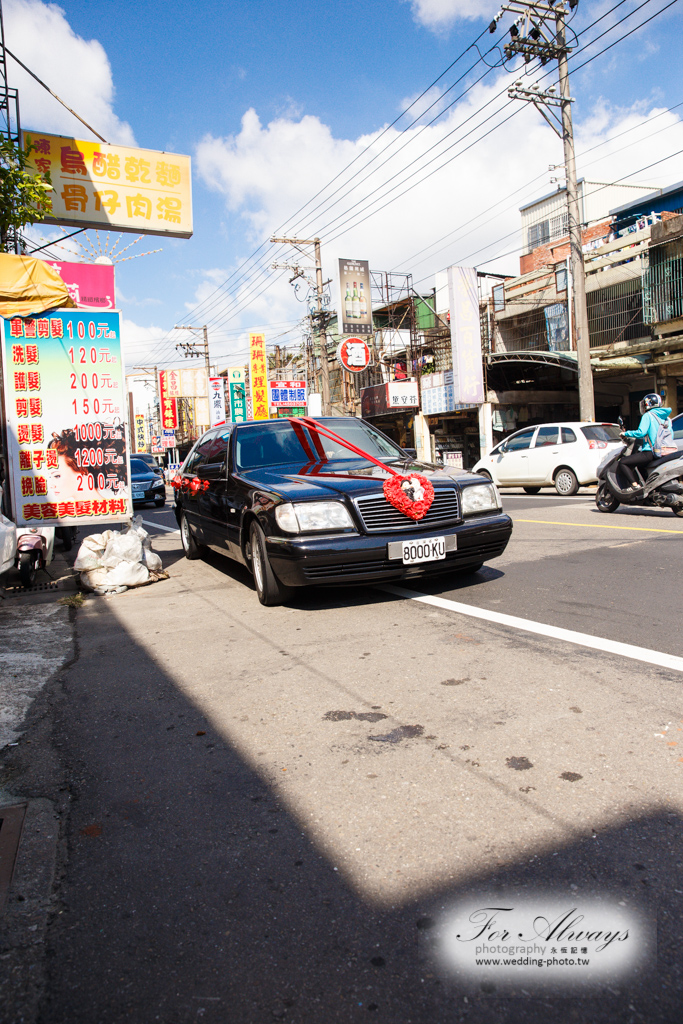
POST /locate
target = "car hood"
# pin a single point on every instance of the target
(332, 479)
(144, 478)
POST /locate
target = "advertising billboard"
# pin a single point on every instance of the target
(140, 433)
(217, 401)
(238, 398)
(355, 297)
(65, 414)
(468, 374)
(169, 404)
(394, 395)
(90, 285)
(287, 393)
(100, 186)
(353, 354)
(258, 375)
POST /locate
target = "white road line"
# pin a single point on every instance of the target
(598, 643)
(158, 526)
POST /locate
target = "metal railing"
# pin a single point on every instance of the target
(663, 283)
(615, 313)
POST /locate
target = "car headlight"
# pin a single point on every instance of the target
(479, 498)
(310, 516)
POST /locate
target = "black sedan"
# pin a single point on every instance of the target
(146, 484)
(299, 509)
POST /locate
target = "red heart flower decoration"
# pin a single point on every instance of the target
(396, 495)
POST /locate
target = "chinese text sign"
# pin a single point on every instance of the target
(258, 376)
(217, 401)
(101, 186)
(468, 377)
(64, 402)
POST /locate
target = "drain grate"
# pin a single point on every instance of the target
(17, 590)
(11, 823)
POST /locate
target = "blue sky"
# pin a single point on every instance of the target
(272, 99)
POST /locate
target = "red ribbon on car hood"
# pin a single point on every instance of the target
(412, 495)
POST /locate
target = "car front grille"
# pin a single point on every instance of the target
(379, 516)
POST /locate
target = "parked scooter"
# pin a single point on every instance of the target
(8, 541)
(35, 546)
(67, 535)
(662, 484)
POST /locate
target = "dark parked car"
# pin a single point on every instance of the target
(151, 462)
(253, 492)
(145, 484)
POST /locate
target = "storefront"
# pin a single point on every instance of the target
(391, 407)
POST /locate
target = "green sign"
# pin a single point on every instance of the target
(238, 403)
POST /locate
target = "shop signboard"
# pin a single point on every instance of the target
(238, 398)
(468, 375)
(437, 393)
(169, 406)
(140, 433)
(557, 327)
(353, 354)
(373, 400)
(90, 285)
(168, 438)
(96, 185)
(258, 376)
(65, 416)
(284, 411)
(217, 401)
(202, 415)
(355, 297)
(287, 393)
(402, 394)
(156, 447)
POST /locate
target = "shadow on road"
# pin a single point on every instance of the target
(191, 893)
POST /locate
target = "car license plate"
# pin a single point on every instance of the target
(137, 495)
(431, 550)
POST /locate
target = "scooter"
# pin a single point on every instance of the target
(67, 535)
(35, 546)
(662, 486)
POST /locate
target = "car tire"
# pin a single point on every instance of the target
(190, 546)
(484, 472)
(160, 502)
(605, 500)
(677, 510)
(28, 568)
(566, 483)
(531, 490)
(268, 587)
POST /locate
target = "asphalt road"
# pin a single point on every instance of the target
(267, 812)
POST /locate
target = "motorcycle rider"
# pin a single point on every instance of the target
(653, 417)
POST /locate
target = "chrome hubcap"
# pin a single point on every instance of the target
(564, 482)
(258, 568)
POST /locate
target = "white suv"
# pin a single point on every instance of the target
(563, 455)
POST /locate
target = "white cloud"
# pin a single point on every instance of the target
(76, 69)
(266, 172)
(441, 14)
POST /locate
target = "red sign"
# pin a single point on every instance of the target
(90, 285)
(353, 354)
(169, 406)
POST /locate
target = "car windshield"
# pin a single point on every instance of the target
(276, 444)
(601, 432)
(138, 466)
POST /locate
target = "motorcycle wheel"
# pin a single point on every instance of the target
(605, 500)
(28, 568)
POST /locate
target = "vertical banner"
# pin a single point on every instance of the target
(355, 297)
(140, 433)
(65, 407)
(169, 407)
(238, 398)
(217, 401)
(468, 377)
(258, 375)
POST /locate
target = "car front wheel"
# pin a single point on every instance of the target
(566, 483)
(268, 587)
(190, 546)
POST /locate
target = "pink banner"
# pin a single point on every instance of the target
(91, 285)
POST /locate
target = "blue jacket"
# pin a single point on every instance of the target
(648, 427)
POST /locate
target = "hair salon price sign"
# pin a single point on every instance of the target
(65, 414)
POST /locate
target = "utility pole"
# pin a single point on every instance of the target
(319, 317)
(190, 349)
(533, 35)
